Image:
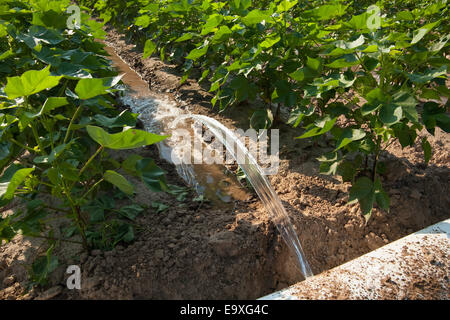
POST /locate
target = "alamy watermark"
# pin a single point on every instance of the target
(374, 20)
(74, 280)
(74, 20)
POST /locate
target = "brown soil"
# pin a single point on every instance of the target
(204, 252)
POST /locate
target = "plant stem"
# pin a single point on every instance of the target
(361, 62)
(34, 130)
(74, 117)
(46, 184)
(92, 188)
(22, 146)
(78, 219)
(50, 133)
(56, 209)
(90, 160)
(387, 145)
(377, 153)
(36, 137)
(63, 88)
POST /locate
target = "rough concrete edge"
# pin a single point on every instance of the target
(362, 277)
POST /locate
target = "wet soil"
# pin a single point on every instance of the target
(200, 251)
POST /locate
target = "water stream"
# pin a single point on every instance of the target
(211, 180)
(214, 181)
(260, 184)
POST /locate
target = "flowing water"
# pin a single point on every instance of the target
(214, 182)
(211, 180)
(260, 184)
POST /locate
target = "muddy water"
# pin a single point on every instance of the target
(212, 181)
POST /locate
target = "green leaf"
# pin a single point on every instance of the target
(129, 164)
(54, 154)
(72, 71)
(406, 135)
(125, 118)
(49, 18)
(312, 63)
(5, 149)
(89, 88)
(17, 179)
(433, 115)
(370, 49)
(124, 233)
(349, 60)
(326, 12)
(347, 170)
(326, 125)
(391, 113)
(50, 104)
(405, 15)
(243, 90)
(366, 205)
(142, 21)
(151, 175)
(6, 232)
(381, 197)
(328, 168)
(349, 135)
(131, 211)
(328, 157)
(213, 21)
(286, 5)
(363, 190)
(297, 115)
(436, 46)
(299, 74)
(359, 22)
(348, 45)
(6, 55)
(159, 206)
(269, 42)
(443, 121)
(38, 35)
(119, 181)
(149, 48)
(430, 94)
(369, 108)
(197, 53)
(284, 93)
(30, 82)
(180, 192)
(408, 103)
(222, 34)
(254, 17)
(421, 32)
(129, 139)
(69, 172)
(97, 208)
(261, 119)
(43, 266)
(185, 37)
(427, 76)
(375, 95)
